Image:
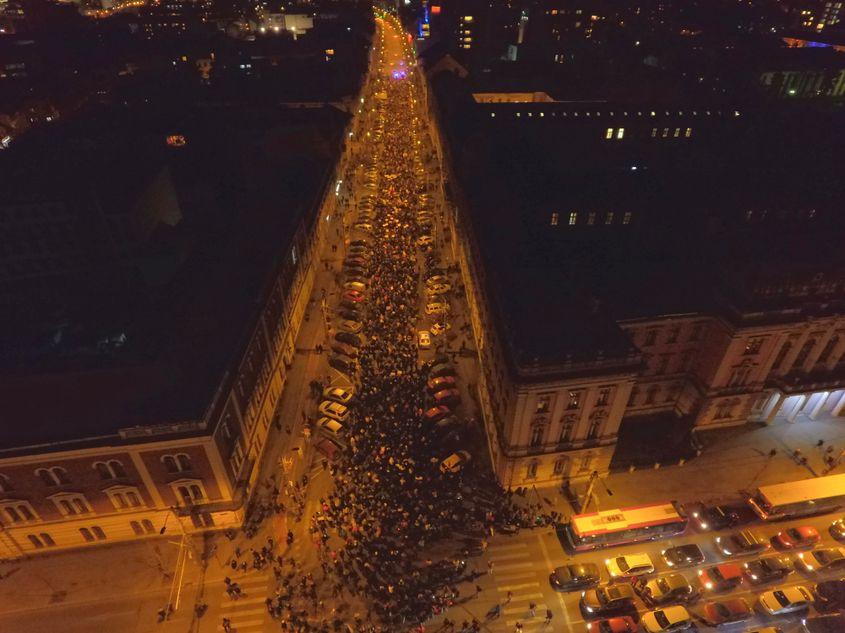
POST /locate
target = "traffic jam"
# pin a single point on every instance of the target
(754, 567)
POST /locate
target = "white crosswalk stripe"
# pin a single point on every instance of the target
(248, 613)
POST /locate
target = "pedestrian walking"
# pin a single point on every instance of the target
(477, 591)
(490, 567)
(532, 609)
(509, 597)
(549, 616)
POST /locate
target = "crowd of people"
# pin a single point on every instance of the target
(395, 534)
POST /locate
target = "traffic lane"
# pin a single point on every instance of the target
(706, 541)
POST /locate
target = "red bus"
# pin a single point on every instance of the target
(626, 525)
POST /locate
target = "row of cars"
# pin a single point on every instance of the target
(614, 603)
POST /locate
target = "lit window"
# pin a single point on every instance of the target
(620, 133)
(688, 132)
(591, 218)
(608, 218)
(665, 132)
(609, 133)
(653, 132)
(573, 218)
(626, 219)
(554, 219)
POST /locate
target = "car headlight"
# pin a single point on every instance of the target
(703, 525)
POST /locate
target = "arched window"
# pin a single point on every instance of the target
(48, 540)
(103, 470)
(537, 433)
(53, 476)
(148, 526)
(170, 464)
(25, 512)
(86, 534)
(595, 426)
(98, 532)
(651, 394)
(531, 473)
(35, 541)
(566, 428)
(184, 461)
(13, 515)
(117, 469)
(80, 506)
(136, 527)
(66, 506)
(196, 492)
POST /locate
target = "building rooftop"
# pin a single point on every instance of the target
(144, 335)
(579, 232)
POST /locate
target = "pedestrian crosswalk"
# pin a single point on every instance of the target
(518, 588)
(248, 613)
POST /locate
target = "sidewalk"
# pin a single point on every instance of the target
(732, 460)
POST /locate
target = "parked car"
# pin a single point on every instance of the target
(821, 560)
(349, 338)
(440, 328)
(742, 543)
(334, 410)
(830, 595)
(618, 624)
(359, 242)
(329, 426)
(669, 588)
(767, 569)
(437, 289)
(718, 517)
(424, 339)
(837, 529)
(438, 384)
(607, 599)
(674, 618)
(722, 577)
(351, 314)
(448, 397)
(342, 363)
(424, 240)
(574, 576)
(437, 413)
(629, 565)
(437, 307)
(455, 462)
(351, 326)
(437, 279)
(352, 295)
(683, 555)
(344, 349)
(441, 369)
(785, 600)
(357, 286)
(795, 537)
(727, 611)
(338, 394)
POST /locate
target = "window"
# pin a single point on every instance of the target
(632, 397)
(559, 467)
(651, 394)
(585, 463)
(184, 461)
(574, 400)
(123, 498)
(54, 476)
(595, 426)
(47, 539)
(36, 541)
(573, 218)
(665, 132)
(71, 504)
(531, 473)
(591, 218)
(537, 433)
(555, 218)
(603, 397)
(672, 334)
(620, 133)
(20, 512)
(86, 534)
(677, 132)
(98, 532)
(823, 356)
(662, 364)
(752, 346)
(626, 219)
(686, 360)
(781, 355)
(739, 376)
(136, 527)
(190, 493)
(148, 526)
(567, 426)
(543, 403)
(654, 132)
(695, 334)
(112, 469)
(608, 218)
(176, 463)
(650, 337)
(5, 484)
(609, 133)
(688, 132)
(803, 353)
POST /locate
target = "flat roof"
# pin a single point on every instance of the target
(804, 490)
(148, 338)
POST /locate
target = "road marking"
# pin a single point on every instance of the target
(524, 585)
(511, 566)
(239, 626)
(241, 601)
(496, 548)
(550, 565)
(526, 596)
(247, 612)
(516, 575)
(509, 556)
